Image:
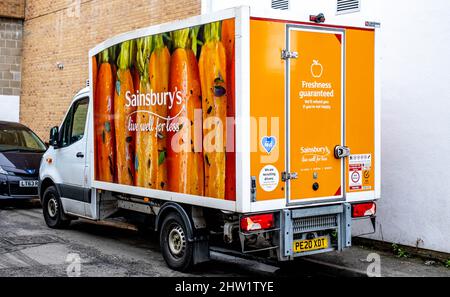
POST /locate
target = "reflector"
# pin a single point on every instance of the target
(257, 222)
(364, 209)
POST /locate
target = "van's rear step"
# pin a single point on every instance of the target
(248, 262)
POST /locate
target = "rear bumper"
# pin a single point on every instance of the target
(301, 232)
(332, 221)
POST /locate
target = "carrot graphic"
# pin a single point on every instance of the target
(213, 76)
(184, 164)
(94, 82)
(94, 73)
(136, 79)
(146, 163)
(123, 115)
(159, 80)
(104, 125)
(228, 42)
(113, 53)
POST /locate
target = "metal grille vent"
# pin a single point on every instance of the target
(314, 223)
(280, 4)
(348, 6)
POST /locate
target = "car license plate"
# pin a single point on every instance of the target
(306, 245)
(28, 183)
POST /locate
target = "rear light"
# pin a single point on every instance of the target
(364, 210)
(257, 222)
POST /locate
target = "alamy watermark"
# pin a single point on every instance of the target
(74, 267)
(374, 268)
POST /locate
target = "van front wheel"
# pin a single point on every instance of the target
(177, 251)
(52, 209)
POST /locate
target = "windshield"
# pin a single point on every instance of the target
(20, 139)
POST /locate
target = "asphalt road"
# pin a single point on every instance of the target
(29, 248)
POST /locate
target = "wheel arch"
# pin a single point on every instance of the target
(170, 207)
(46, 183)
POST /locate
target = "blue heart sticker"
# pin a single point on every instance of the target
(268, 143)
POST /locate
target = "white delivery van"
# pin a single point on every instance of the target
(239, 131)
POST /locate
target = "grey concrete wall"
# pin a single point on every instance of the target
(10, 56)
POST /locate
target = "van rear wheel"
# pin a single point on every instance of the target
(52, 209)
(177, 251)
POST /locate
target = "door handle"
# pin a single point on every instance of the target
(80, 155)
(341, 151)
(286, 54)
(285, 176)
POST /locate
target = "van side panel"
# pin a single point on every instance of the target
(160, 113)
(267, 103)
(360, 108)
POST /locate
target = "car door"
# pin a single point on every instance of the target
(70, 159)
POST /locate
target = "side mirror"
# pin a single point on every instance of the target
(54, 137)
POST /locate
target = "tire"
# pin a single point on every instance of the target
(177, 251)
(52, 209)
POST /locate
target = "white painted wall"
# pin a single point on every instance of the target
(413, 45)
(9, 108)
(415, 50)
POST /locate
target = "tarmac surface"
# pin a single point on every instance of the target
(29, 248)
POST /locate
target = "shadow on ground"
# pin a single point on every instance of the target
(11, 204)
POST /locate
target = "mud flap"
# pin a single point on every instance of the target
(201, 251)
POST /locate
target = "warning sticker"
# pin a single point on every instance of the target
(359, 172)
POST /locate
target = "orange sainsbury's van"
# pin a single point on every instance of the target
(238, 131)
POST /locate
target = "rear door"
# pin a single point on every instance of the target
(314, 113)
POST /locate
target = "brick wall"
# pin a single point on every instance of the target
(10, 55)
(63, 31)
(12, 8)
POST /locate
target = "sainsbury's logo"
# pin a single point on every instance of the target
(315, 154)
(322, 150)
(154, 98)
